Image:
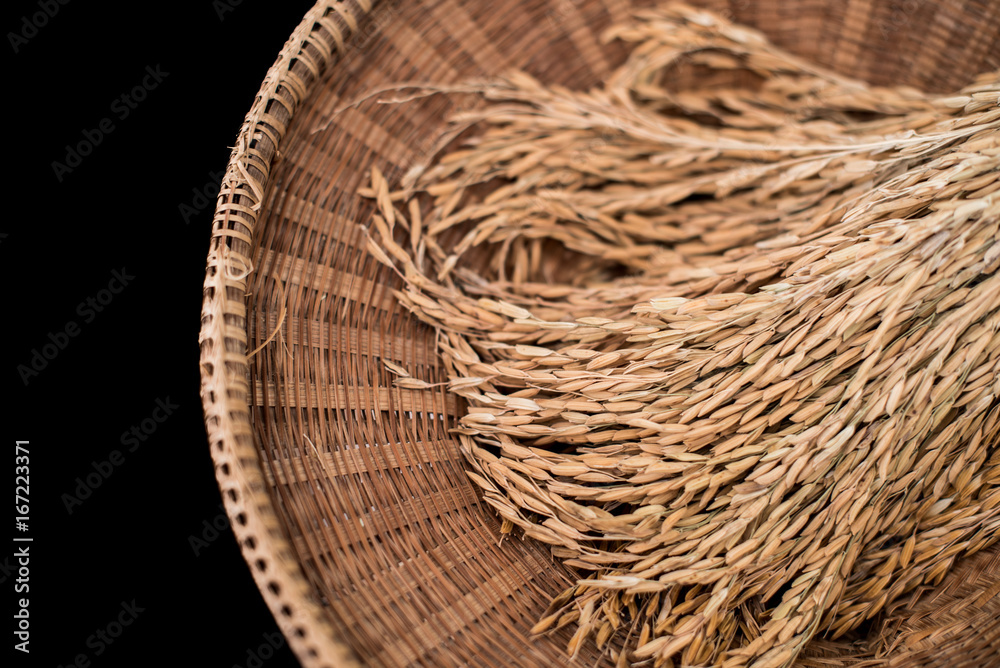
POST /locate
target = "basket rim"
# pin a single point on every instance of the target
(316, 43)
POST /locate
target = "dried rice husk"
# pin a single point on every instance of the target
(732, 352)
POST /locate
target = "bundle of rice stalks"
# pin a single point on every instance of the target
(733, 352)
(931, 627)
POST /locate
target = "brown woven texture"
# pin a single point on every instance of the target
(348, 495)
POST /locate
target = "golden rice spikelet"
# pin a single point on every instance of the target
(733, 353)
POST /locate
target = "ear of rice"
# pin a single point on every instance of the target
(732, 352)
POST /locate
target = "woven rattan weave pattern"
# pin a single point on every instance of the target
(348, 495)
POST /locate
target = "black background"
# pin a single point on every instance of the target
(122, 208)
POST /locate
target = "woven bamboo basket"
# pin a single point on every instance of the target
(348, 495)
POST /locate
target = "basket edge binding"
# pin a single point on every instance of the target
(313, 45)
